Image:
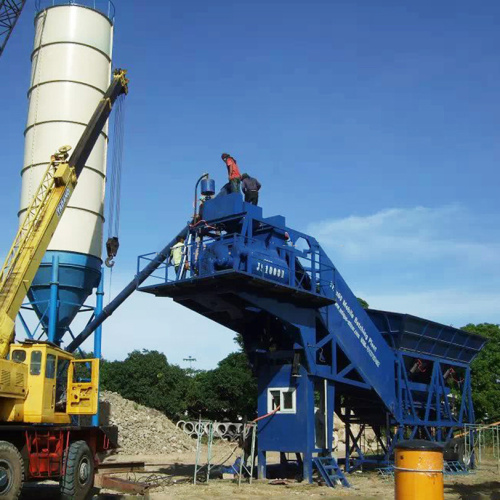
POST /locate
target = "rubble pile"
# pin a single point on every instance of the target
(142, 430)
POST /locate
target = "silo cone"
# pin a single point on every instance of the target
(71, 70)
(418, 470)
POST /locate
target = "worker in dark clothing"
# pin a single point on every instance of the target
(233, 173)
(250, 187)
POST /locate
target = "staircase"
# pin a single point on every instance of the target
(330, 472)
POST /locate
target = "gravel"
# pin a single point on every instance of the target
(142, 430)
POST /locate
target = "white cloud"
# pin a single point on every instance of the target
(448, 306)
(407, 234)
(440, 263)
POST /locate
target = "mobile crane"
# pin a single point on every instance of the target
(40, 387)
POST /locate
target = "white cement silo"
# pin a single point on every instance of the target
(71, 70)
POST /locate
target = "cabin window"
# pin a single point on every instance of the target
(275, 399)
(284, 397)
(50, 366)
(19, 356)
(287, 399)
(36, 363)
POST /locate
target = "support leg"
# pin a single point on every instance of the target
(98, 335)
(307, 468)
(330, 416)
(347, 439)
(262, 467)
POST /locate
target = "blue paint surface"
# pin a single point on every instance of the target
(79, 274)
(286, 432)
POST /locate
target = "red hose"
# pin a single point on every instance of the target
(266, 415)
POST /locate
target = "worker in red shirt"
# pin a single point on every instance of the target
(233, 173)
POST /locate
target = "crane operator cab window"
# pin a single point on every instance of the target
(61, 385)
(19, 356)
(50, 366)
(36, 363)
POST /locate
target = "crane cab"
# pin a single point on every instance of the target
(41, 383)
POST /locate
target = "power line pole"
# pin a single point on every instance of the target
(190, 360)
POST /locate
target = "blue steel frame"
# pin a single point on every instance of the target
(303, 328)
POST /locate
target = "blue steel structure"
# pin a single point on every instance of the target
(314, 348)
(61, 286)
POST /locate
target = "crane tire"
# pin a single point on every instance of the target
(78, 479)
(11, 471)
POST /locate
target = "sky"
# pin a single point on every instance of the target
(372, 126)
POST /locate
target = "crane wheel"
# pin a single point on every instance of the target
(78, 478)
(11, 471)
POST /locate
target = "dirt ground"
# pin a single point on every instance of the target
(483, 484)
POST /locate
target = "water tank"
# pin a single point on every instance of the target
(71, 70)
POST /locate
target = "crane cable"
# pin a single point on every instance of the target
(35, 86)
(115, 178)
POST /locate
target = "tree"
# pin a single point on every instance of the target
(485, 370)
(228, 392)
(363, 303)
(147, 378)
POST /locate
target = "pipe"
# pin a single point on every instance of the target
(98, 340)
(196, 195)
(125, 293)
(267, 414)
(54, 288)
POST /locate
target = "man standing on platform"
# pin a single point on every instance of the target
(250, 187)
(233, 172)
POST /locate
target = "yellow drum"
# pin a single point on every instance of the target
(419, 470)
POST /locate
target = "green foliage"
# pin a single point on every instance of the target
(147, 378)
(229, 391)
(486, 373)
(238, 340)
(363, 303)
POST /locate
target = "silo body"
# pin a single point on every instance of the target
(71, 70)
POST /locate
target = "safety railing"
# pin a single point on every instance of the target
(482, 444)
(303, 270)
(106, 7)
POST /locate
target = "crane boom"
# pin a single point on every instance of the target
(10, 10)
(44, 213)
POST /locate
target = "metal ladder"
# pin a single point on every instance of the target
(330, 471)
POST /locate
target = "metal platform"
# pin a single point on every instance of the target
(229, 280)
